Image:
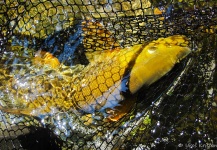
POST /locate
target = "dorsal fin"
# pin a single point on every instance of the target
(96, 37)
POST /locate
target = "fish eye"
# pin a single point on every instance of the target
(152, 50)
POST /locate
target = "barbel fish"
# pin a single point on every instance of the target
(107, 84)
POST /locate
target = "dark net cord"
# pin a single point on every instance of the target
(178, 111)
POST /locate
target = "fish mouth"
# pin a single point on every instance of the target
(182, 54)
(184, 43)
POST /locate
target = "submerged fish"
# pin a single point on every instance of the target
(109, 83)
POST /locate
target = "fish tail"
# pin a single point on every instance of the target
(15, 111)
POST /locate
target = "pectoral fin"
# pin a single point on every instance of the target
(119, 111)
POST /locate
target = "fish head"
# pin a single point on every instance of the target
(156, 59)
(176, 47)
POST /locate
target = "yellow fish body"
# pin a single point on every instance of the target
(102, 85)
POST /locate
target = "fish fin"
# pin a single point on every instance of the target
(16, 111)
(121, 110)
(45, 58)
(96, 37)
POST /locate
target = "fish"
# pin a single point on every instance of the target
(45, 58)
(108, 84)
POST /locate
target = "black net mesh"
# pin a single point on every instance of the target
(43, 107)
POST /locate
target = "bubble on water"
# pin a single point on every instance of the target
(158, 140)
(58, 27)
